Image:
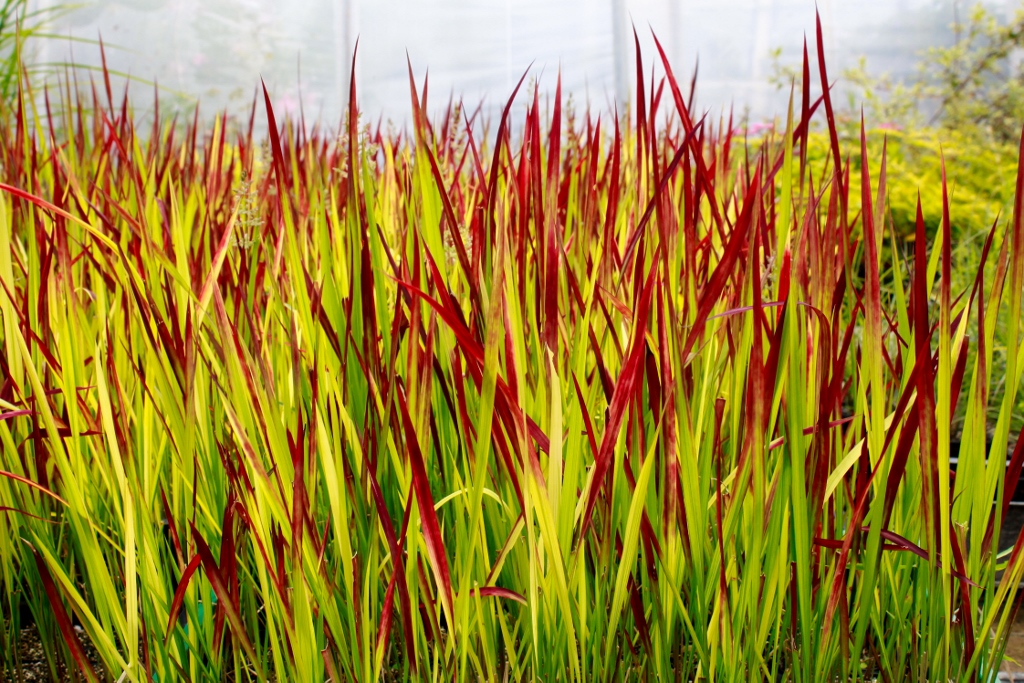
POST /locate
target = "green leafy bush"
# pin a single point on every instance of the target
(974, 86)
(964, 106)
(966, 103)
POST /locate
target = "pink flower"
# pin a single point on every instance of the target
(754, 129)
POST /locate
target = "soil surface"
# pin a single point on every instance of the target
(33, 667)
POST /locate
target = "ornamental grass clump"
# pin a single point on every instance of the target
(597, 399)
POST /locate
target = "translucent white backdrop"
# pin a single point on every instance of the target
(217, 50)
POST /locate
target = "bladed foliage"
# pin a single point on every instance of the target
(592, 398)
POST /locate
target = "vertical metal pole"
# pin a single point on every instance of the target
(620, 38)
(675, 23)
(41, 46)
(759, 56)
(344, 44)
(828, 35)
(508, 46)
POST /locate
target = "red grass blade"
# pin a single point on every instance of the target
(425, 500)
(179, 593)
(829, 115)
(496, 592)
(63, 620)
(624, 390)
(224, 599)
(724, 270)
(34, 485)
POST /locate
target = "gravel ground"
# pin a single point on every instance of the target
(33, 666)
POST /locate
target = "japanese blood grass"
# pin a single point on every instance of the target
(590, 399)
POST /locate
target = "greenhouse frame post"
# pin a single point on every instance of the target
(345, 18)
(621, 51)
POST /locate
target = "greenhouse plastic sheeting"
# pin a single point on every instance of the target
(216, 51)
